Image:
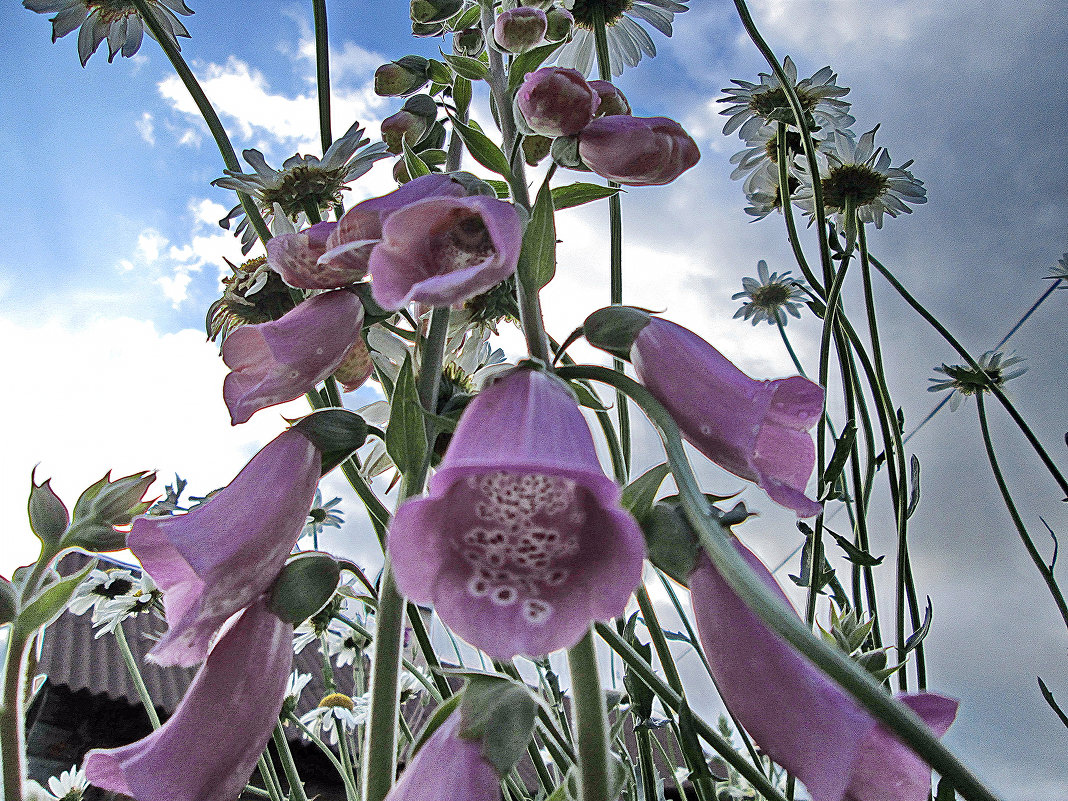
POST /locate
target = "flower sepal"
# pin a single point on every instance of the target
(103, 506)
(614, 328)
(500, 712)
(305, 585)
(335, 432)
(48, 515)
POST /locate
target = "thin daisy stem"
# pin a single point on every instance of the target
(856, 681)
(408, 664)
(591, 721)
(135, 676)
(782, 163)
(1032, 551)
(229, 157)
(998, 393)
(346, 775)
(322, 72)
(289, 766)
(270, 777)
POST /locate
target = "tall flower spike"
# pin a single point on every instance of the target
(521, 542)
(218, 558)
(448, 766)
(755, 429)
(209, 747)
(279, 361)
(795, 713)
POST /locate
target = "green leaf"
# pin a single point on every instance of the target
(470, 68)
(467, 19)
(8, 601)
(537, 259)
(305, 585)
(501, 713)
(918, 636)
(587, 397)
(1048, 696)
(482, 148)
(337, 433)
(945, 789)
(914, 492)
(416, 166)
(461, 94)
(566, 197)
(670, 541)
(500, 187)
(50, 602)
(841, 452)
(528, 62)
(406, 433)
(638, 496)
(438, 72)
(855, 554)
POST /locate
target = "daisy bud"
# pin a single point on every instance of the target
(556, 101)
(612, 101)
(48, 515)
(521, 543)
(402, 77)
(468, 42)
(637, 151)
(428, 11)
(560, 23)
(518, 30)
(794, 712)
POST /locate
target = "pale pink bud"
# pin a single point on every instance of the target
(556, 101)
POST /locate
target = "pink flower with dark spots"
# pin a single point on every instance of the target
(221, 556)
(521, 543)
(209, 747)
(279, 361)
(448, 766)
(794, 712)
(444, 250)
(637, 151)
(755, 429)
(556, 101)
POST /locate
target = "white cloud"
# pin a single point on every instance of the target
(146, 128)
(149, 244)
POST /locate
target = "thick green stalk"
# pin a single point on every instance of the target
(11, 734)
(899, 719)
(591, 721)
(135, 675)
(270, 778)
(1032, 551)
(207, 112)
(322, 71)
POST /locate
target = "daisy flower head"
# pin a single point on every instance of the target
(753, 105)
(322, 515)
(861, 175)
(628, 41)
(337, 712)
(118, 21)
(294, 687)
(770, 297)
(764, 193)
(99, 587)
(70, 785)
(143, 596)
(301, 183)
(1060, 272)
(997, 368)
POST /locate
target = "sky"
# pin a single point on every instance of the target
(113, 254)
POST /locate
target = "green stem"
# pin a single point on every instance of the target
(229, 157)
(281, 744)
(11, 734)
(899, 719)
(660, 643)
(788, 212)
(350, 789)
(135, 675)
(1032, 551)
(270, 778)
(322, 72)
(591, 721)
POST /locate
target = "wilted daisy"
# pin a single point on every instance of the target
(628, 41)
(254, 294)
(765, 196)
(303, 181)
(770, 297)
(322, 515)
(99, 587)
(336, 712)
(998, 367)
(861, 174)
(143, 597)
(118, 21)
(753, 105)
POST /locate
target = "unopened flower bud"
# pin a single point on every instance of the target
(355, 368)
(544, 5)
(637, 151)
(556, 101)
(614, 328)
(48, 516)
(612, 100)
(427, 11)
(565, 152)
(468, 42)
(560, 23)
(305, 585)
(535, 148)
(400, 172)
(403, 127)
(8, 602)
(119, 501)
(518, 30)
(428, 30)
(422, 106)
(401, 77)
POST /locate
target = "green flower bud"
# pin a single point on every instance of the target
(560, 24)
(468, 42)
(402, 77)
(614, 328)
(305, 585)
(535, 148)
(103, 506)
(427, 11)
(403, 127)
(48, 516)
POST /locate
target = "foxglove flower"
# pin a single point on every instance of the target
(279, 361)
(794, 712)
(755, 429)
(448, 766)
(521, 542)
(208, 748)
(444, 250)
(637, 151)
(557, 101)
(218, 558)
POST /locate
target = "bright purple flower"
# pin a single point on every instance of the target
(448, 766)
(210, 746)
(518, 30)
(279, 361)
(637, 151)
(794, 712)
(329, 255)
(444, 250)
(556, 101)
(218, 558)
(521, 542)
(755, 429)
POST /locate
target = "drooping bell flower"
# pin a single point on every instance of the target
(209, 747)
(448, 766)
(444, 250)
(637, 151)
(556, 101)
(219, 557)
(280, 360)
(521, 542)
(794, 712)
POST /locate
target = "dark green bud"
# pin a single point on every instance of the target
(403, 127)
(427, 30)
(614, 328)
(422, 106)
(468, 42)
(565, 152)
(499, 712)
(560, 24)
(427, 11)
(402, 77)
(305, 585)
(48, 516)
(536, 148)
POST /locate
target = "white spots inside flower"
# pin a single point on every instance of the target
(318, 351)
(294, 375)
(461, 241)
(706, 430)
(527, 524)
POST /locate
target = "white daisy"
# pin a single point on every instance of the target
(336, 712)
(322, 515)
(143, 597)
(628, 41)
(1060, 272)
(770, 297)
(764, 196)
(964, 380)
(303, 181)
(70, 785)
(862, 173)
(99, 587)
(115, 20)
(753, 105)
